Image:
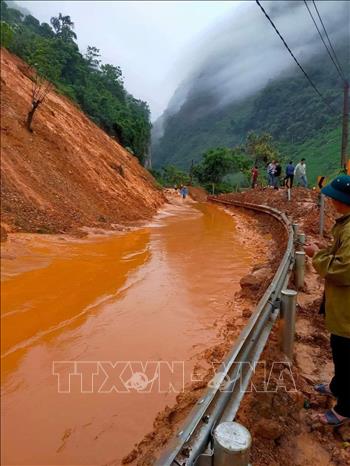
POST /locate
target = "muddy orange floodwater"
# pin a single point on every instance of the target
(81, 319)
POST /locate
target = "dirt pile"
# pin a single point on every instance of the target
(283, 423)
(198, 194)
(302, 209)
(68, 173)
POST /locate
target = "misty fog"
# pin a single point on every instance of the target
(239, 55)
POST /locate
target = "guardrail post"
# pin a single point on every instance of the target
(287, 322)
(301, 241)
(295, 229)
(232, 443)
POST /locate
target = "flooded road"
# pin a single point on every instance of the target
(81, 319)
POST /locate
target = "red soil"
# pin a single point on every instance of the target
(302, 209)
(282, 423)
(256, 232)
(68, 173)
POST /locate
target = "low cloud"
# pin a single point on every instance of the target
(239, 55)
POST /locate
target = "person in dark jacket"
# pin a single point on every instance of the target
(289, 174)
(184, 192)
(276, 176)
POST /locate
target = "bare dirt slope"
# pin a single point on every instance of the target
(68, 173)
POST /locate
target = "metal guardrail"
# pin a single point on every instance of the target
(193, 443)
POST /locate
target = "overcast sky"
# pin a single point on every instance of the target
(147, 39)
(239, 56)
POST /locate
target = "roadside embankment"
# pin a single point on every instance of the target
(302, 209)
(283, 423)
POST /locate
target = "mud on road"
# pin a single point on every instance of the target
(258, 232)
(163, 292)
(282, 423)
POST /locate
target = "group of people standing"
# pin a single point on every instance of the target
(297, 172)
(293, 174)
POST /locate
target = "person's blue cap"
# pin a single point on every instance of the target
(339, 189)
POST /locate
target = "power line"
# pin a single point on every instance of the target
(294, 58)
(329, 41)
(324, 43)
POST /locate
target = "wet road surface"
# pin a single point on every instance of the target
(81, 319)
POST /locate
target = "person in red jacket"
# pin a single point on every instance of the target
(255, 174)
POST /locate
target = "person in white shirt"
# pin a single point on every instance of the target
(271, 170)
(300, 173)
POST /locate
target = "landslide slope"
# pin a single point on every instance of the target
(68, 173)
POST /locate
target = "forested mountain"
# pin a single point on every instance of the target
(287, 107)
(97, 88)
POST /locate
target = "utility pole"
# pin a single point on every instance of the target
(345, 134)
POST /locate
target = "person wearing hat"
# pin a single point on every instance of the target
(333, 264)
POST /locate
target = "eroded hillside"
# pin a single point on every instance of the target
(68, 173)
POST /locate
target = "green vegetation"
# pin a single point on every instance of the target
(7, 33)
(218, 163)
(261, 148)
(223, 169)
(322, 153)
(171, 176)
(287, 108)
(96, 88)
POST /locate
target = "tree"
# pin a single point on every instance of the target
(216, 163)
(97, 88)
(113, 80)
(46, 30)
(10, 15)
(37, 57)
(219, 162)
(32, 23)
(40, 90)
(170, 176)
(173, 176)
(63, 27)
(7, 33)
(261, 147)
(92, 57)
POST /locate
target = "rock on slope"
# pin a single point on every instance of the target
(67, 173)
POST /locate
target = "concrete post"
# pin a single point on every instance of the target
(287, 322)
(299, 269)
(301, 241)
(295, 229)
(232, 443)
